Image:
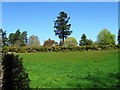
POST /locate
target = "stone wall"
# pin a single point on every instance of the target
(1, 71)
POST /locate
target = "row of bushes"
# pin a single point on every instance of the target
(58, 48)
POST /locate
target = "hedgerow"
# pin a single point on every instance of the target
(27, 49)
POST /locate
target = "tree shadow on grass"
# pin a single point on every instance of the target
(97, 80)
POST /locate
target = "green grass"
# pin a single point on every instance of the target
(85, 69)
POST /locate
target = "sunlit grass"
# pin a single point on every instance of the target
(72, 69)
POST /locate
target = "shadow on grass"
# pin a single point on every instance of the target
(98, 80)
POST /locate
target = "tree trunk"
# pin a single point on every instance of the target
(62, 39)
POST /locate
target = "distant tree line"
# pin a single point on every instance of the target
(15, 39)
(62, 30)
(20, 39)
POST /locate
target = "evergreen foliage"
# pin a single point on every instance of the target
(62, 27)
(18, 38)
(14, 75)
(83, 40)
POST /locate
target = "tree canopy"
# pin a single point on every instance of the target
(89, 42)
(83, 40)
(18, 38)
(106, 38)
(62, 27)
(70, 41)
(33, 41)
(49, 42)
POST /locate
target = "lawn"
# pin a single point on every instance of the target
(85, 69)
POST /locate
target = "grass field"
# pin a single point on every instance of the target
(85, 69)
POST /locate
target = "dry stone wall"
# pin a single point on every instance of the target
(1, 71)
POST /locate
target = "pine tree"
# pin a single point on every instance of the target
(62, 27)
(83, 40)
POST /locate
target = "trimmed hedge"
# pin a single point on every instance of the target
(26, 49)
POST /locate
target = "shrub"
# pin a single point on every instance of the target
(14, 75)
(13, 49)
(5, 49)
(58, 48)
(83, 48)
(28, 49)
(89, 47)
(118, 46)
(103, 47)
(78, 48)
(22, 50)
(70, 48)
(95, 47)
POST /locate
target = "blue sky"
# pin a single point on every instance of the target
(38, 18)
(60, 0)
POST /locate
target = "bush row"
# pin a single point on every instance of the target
(59, 48)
